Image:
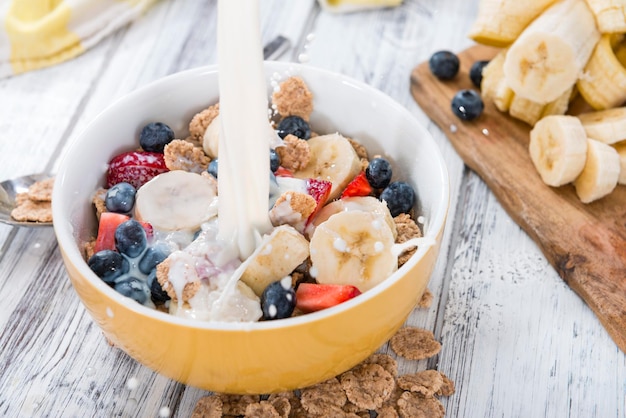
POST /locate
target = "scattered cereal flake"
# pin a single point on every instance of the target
(385, 361)
(27, 210)
(407, 229)
(41, 191)
(208, 407)
(413, 405)
(201, 121)
(237, 404)
(296, 409)
(182, 155)
(447, 388)
(98, 201)
(322, 397)
(360, 150)
(426, 300)
(295, 153)
(261, 409)
(427, 382)
(414, 343)
(387, 412)
(282, 405)
(293, 98)
(367, 385)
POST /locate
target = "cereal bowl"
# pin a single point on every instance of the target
(266, 356)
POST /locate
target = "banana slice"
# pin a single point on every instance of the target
(176, 200)
(280, 253)
(493, 86)
(603, 84)
(211, 140)
(362, 203)
(551, 52)
(621, 151)
(558, 146)
(332, 158)
(610, 15)
(608, 126)
(601, 172)
(353, 247)
(500, 22)
(531, 112)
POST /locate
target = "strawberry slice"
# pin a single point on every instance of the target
(311, 297)
(109, 221)
(283, 172)
(319, 190)
(359, 186)
(135, 167)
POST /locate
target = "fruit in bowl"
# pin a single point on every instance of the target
(271, 355)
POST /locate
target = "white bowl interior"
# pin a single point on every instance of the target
(340, 104)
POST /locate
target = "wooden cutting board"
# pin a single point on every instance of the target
(586, 244)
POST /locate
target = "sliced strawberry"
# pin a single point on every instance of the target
(135, 167)
(359, 186)
(283, 172)
(109, 221)
(311, 297)
(319, 190)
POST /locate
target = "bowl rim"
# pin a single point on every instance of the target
(68, 244)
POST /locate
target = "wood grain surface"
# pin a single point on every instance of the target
(585, 243)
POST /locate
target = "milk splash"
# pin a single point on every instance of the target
(244, 138)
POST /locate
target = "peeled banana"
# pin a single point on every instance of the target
(610, 15)
(621, 152)
(600, 174)
(558, 149)
(608, 126)
(353, 247)
(550, 54)
(499, 22)
(603, 84)
(493, 86)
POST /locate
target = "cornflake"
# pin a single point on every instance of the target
(413, 405)
(323, 397)
(427, 382)
(367, 385)
(208, 407)
(414, 343)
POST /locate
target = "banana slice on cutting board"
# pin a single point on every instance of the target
(608, 126)
(603, 84)
(550, 54)
(601, 172)
(610, 15)
(176, 200)
(353, 247)
(333, 159)
(621, 151)
(493, 85)
(558, 147)
(362, 203)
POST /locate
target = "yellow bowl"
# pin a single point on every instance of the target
(261, 357)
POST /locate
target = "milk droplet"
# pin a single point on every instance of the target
(164, 412)
(313, 271)
(132, 383)
(420, 219)
(485, 131)
(453, 128)
(340, 245)
(310, 37)
(303, 58)
(110, 312)
(378, 246)
(90, 371)
(36, 245)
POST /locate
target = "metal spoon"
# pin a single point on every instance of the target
(9, 189)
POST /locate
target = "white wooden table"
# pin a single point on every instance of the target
(516, 340)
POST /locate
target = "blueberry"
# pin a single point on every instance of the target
(378, 173)
(467, 104)
(157, 294)
(133, 288)
(155, 136)
(278, 299)
(212, 169)
(274, 160)
(476, 72)
(444, 65)
(130, 238)
(108, 265)
(154, 255)
(399, 196)
(294, 125)
(120, 198)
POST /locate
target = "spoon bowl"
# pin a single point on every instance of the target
(9, 189)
